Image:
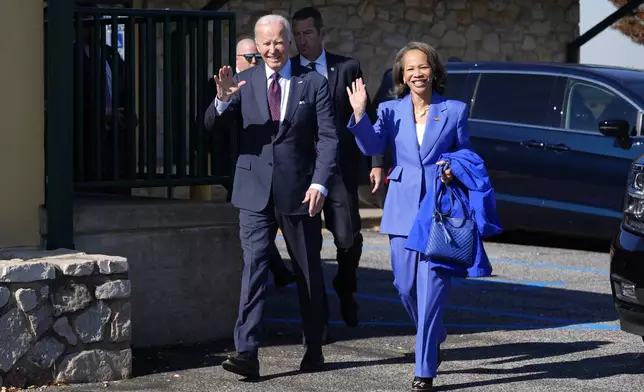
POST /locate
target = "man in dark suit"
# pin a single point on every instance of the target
(102, 105)
(280, 180)
(227, 142)
(341, 210)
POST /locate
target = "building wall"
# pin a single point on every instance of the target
(373, 30)
(21, 121)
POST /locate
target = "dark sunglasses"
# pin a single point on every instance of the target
(249, 57)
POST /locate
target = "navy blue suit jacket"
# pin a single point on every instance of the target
(286, 163)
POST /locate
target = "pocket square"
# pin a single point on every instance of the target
(300, 81)
(302, 103)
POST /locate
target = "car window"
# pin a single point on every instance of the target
(588, 104)
(515, 98)
(455, 85)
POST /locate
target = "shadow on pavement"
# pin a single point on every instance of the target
(519, 237)
(583, 369)
(476, 305)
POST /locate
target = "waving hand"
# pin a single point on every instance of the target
(226, 85)
(358, 98)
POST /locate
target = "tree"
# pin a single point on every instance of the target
(632, 25)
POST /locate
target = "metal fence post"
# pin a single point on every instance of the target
(59, 185)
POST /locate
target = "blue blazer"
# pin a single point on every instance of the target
(413, 165)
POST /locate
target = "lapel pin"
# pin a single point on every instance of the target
(332, 69)
(437, 119)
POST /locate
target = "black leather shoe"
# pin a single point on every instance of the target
(349, 311)
(311, 363)
(243, 364)
(348, 305)
(421, 384)
(284, 279)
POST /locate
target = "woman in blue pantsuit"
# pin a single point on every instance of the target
(418, 127)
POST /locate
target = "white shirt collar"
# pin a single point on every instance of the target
(320, 61)
(285, 71)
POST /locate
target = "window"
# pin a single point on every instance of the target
(587, 105)
(515, 98)
(455, 85)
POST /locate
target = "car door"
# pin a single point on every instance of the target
(511, 116)
(592, 169)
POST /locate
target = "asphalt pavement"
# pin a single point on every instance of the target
(544, 322)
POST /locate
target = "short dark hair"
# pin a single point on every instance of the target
(309, 12)
(439, 76)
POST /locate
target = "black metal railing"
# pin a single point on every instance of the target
(148, 131)
(139, 105)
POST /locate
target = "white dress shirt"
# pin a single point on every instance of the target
(320, 64)
(285, 86)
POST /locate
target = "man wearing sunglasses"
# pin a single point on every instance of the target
(247, 55)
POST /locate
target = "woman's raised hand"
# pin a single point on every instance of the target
(358, 98)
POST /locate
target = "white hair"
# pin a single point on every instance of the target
(274, 18)
(243, 42)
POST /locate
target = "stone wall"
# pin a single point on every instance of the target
(473, 30)
(64, 317)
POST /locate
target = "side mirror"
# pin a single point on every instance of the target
(619, 129)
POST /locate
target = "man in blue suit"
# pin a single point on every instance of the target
(280, 181)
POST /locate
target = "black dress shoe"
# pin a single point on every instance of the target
(243, 364)
(349, 311)
(312, 363)
(422, 384)
(348, 305)
(283, 279)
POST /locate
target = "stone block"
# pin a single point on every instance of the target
(80, 266)
(45, 353)
(43, 320)
(18, 271)
(90, 325)
(15, 339)
(121, 326)
(71, 298)
(95, 366)
(64, 330)
(26, 299)
(112, 265)
(40, 320)
(116, 289)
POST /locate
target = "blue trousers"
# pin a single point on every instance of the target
(423, 292)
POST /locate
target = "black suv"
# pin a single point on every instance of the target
(627, 256)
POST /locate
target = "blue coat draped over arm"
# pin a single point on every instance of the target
(473, 185)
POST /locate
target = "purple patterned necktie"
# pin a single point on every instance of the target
(274, 98)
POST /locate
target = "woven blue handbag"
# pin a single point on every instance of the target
(451, 240)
